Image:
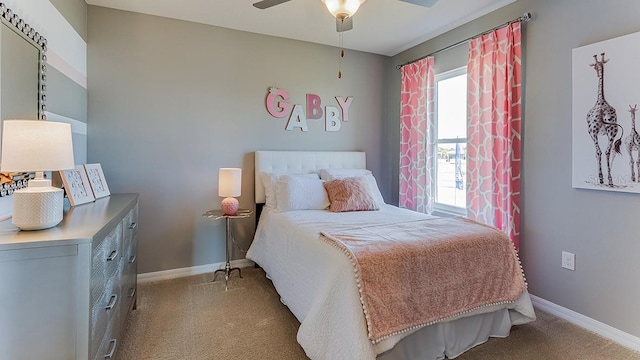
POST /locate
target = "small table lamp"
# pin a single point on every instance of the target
(36, 145)
(229, 185)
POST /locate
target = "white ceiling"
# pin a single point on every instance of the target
(385, 27)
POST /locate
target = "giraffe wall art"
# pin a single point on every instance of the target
(606, 88)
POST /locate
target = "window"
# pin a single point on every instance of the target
(451, 143)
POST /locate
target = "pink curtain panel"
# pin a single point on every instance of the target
(417, 135)
(494, 118)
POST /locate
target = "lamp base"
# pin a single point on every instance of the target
(229, 206)
(37, 208)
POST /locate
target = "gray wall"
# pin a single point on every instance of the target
(170, 102)
(600, 227)
(75, 12)
(65, 97)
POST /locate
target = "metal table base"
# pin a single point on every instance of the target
(228, 270)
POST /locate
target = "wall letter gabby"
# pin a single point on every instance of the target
(278, 107)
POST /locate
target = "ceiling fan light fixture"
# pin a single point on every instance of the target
(342, 9)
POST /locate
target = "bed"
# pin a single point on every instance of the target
(315, 279)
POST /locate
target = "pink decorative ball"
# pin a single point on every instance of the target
(229, 206)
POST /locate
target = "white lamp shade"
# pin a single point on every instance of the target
(342, 8)
(36, 145)
(229, 182)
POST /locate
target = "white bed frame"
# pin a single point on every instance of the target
(423, 340)
(303, 162)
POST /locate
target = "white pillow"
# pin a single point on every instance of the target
(333, 174)
(269, 182)
(300, 193)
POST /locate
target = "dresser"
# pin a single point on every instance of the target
(66, 292)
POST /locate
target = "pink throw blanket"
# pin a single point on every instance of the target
(421, 272)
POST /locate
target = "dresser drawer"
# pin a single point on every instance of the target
(130, 226)
(108, 345)
(105, 262)
(130, 252)
(105, 312)
(129, 278)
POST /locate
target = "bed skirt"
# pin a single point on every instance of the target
(452, 338)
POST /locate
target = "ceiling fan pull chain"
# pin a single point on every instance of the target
(341, 56)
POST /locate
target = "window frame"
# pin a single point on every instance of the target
(437, 206)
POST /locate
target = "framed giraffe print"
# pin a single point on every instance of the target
(606, 97)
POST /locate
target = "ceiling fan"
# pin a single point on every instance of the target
(342, 10)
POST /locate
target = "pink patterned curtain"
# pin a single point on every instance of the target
(494, 117)
(417, 124)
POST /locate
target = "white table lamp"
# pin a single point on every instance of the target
(36, 145)
(229, 186)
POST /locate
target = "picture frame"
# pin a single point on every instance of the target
(97, 180)
(77, 186)
(604, 146)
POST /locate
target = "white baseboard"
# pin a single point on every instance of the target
(588, 323)
(190, 271)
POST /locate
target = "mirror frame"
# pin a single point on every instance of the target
(27, 32)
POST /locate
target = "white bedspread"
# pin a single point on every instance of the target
(316, 281)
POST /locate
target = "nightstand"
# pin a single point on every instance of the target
(216, 215)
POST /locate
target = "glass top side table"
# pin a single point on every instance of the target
(216, 215)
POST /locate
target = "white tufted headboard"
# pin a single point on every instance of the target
(300, 162)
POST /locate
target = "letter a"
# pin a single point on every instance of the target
(297, 119)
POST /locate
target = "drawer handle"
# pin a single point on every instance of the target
(112, 348)
(132, 292)
(133, 226)
(112, 302)
(132, 259)
(113, 255)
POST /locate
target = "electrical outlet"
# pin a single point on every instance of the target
(568, 260)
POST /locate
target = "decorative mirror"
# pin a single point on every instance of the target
(22, 80)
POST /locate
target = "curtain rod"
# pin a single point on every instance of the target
(524, 18)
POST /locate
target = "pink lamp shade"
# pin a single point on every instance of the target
(229, 186)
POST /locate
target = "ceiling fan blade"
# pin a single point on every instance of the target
(426, 3)
(344, 25)
(268, 3)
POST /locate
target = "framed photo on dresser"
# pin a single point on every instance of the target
(97, 180)
(76, 185)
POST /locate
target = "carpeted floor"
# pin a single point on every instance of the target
(195, 319)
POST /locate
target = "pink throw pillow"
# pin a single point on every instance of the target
(350, 194)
